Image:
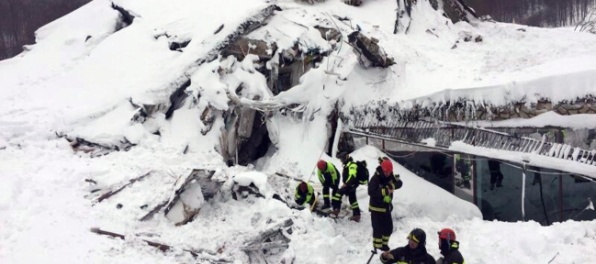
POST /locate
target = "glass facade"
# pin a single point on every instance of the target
(434, 167)
(578, 198)
(550, 196)
(496, 187)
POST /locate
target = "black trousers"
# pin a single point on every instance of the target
(382, 225)
(326, 196)
(496, 177)
(351, 193)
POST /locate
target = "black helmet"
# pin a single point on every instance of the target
(418, 235)
(303, 187)
(344, 157)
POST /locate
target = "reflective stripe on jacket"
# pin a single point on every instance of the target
(330, 176)
(301, 197)
(381, 201)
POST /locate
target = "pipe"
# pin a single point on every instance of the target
(523, 194)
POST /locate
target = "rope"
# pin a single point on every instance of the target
(315, 167)
(404, 156)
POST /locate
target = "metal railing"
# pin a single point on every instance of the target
(443, 134)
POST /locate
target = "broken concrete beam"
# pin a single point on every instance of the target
(246, 119)
(244, 46)
(198, 178)
(249, 25)
(329, 33)
(371, 54)
(271, 237)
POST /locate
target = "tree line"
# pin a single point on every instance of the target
(545, 13)
(20, 18)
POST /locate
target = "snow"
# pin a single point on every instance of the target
(253, 177)
(531, 159)
(579, 121)
(66, 84)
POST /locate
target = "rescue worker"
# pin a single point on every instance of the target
(329, 177)
(380, 189)
(449, 247)
(305, 194)
(496, 177)
(413, 253)
(463, 166)
(350, 183)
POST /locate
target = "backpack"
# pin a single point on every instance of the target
(362, 172)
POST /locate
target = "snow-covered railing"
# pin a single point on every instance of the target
(444, 134)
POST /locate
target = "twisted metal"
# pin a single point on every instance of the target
(403, 126)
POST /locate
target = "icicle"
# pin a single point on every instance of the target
(340, 128)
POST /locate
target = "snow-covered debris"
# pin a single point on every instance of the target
(158, 81)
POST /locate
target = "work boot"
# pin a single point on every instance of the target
(325, 207)
(355, 218)
(334, 213)
(467, 184)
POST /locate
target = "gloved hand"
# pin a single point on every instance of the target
(387, 199)
(387, 256)
(389, 190)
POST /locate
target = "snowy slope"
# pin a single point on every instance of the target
(69, 83)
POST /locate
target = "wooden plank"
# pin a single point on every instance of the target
(165, 247)
(114, 190)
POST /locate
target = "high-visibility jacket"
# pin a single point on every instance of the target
(329, 177)
(350, 174)
(304, 197)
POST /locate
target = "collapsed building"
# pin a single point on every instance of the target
(402, 130)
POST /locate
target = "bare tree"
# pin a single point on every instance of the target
(588, 24)
(535, 12)
(20, 18)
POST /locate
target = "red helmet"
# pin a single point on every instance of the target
(322, 165)
(447, 234)
(387, 166)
